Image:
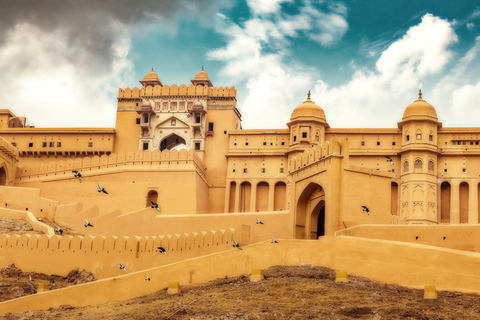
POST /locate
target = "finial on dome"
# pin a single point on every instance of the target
(420, 94)
(202, 68)
(152, 69)
(308, 95)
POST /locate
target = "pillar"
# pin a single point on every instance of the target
(253, 196)
(271, 196)
(473, 202)
(455, 202)
(237, 198)
(227, 197)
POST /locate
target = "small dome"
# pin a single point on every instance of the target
(151, 76)
(308, 110)
(202, 75)
(420, 110)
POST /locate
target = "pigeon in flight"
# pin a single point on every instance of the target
(258, 221)
(273, 240)
(123, 267)
(389, 160)
(236, 244)
(59, 230)
(147, 278)
(78, 175)
(88, 224)
(101, 189)
(162, 250)
(365, 208)
(155, 206)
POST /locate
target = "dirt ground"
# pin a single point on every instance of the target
(11, 226)
(15, 283)
(300, 292)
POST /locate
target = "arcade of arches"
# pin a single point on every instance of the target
(252, 196)
(459, 202)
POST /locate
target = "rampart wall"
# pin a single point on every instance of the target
(54, 254)
(175, 90)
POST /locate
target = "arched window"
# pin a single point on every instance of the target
(405, 166)
(431, 166)
(152, 196)
(418, 164)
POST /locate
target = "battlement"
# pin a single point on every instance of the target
(175, 90)
(319, 153)
(156, 159)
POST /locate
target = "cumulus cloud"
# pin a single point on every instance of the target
(71, 56)
(257, 51)
(422, 51)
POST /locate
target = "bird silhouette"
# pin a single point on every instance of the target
(389, 160)
(88, 224)
(236, 244)
(162, 250)
(365, 208)
(123, 267)
(155, 206)
(258, 221)
(78, 175)
(101, 189)
(273, 240)
(59, 230)
(147, 278)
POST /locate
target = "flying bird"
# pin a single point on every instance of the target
(162, 250)
(123, 267)
(389, 160)
(236, 244)
(258, 221)
(59, 230)
(273, 240)
(88, 224)
(101, 189)
(78, 175)
(147, 278)
(365, 208)
(155, 206)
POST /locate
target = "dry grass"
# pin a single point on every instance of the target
(302, 292)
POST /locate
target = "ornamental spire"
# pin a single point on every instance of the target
(420, 94)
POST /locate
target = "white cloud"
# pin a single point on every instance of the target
(470, 25)
(376, 98)
(465, 104)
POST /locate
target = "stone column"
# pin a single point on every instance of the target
(253, 196)
(473, 202)
(271, 196)
(237, 198)
(227, 197)
(455, 202)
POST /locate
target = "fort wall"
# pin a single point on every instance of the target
(175, 90)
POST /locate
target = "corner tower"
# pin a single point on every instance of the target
(418, 189)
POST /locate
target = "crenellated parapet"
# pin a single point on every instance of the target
(174, 90)
(156, 159)
(319, 153)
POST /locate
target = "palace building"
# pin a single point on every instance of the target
(184, 147)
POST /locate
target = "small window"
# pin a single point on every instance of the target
(14, 144)
(244, 170)
(393, 170)
(294, 138)
(235, 144)
(210, 126)
(59, 144)
(419, 136)
(430, 137)
(52, 144)
(454, 143)
(317, 138)
(446, 142)
(405, 166)
(444, 170)
(471, 143)
(145, 119)
(30, 144)
(378, 143)
(304, 135)
(476, 143)
(283, 143)
(418, 164)
(233, 170)
(363, 143)
(246, 143)
(90, 144)
(393, 143)
(224, 132)
(44, 144)
(281, 170)
(263, 170)
(137, 121)
(197, 146)
(145, 146)
(197, 118)
(430, 166)
(464, 170)
(464, 142)
(408, 137)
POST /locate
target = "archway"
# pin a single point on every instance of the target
(3, 177)
(152, 196)
(310, 215)
(245, 196)
(445, 195)
(173, 142)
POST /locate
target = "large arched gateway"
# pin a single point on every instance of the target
(310, 213)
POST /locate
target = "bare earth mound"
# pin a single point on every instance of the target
(302, 292)
(10, 226)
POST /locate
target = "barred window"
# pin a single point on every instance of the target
(405, 166)
(418, 164)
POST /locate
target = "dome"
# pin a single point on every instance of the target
(202, 75)
(151, 76)
(420, 110)
(202, 79)
(308, 110)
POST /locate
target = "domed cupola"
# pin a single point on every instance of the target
(202, 79)
(151, 79)
(420, 110)
(308, 110)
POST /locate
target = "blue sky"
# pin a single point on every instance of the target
(364, 61)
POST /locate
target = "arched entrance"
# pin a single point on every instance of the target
(3, 177)
(173, 142)
(152, 196)
(310, 213)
